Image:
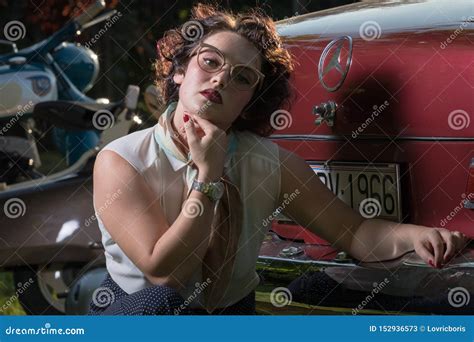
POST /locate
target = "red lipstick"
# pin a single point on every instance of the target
(212, 95)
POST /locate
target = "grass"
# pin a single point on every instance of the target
(9, 304)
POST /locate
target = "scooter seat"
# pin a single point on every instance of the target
(72, 115)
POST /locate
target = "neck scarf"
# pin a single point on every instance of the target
(226, 226)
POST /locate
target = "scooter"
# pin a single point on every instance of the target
(46, 238)
(50, 70)
(48, 235)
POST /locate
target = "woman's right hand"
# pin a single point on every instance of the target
(207, 152)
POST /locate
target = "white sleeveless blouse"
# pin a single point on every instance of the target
(254, 168)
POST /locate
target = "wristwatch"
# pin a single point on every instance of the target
(213, 190)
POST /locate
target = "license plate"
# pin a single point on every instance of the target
(371, 189)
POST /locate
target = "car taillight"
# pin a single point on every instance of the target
(469, 203)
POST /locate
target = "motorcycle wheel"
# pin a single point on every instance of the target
(42, 290)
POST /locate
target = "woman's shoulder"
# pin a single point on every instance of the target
(131, 140)
(253, 145)
(137, 148)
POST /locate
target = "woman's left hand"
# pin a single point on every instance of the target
(438, 245)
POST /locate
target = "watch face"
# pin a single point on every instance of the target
(218, 190)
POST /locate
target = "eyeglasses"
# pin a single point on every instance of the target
(242, 77)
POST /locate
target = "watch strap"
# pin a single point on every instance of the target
(207, 189)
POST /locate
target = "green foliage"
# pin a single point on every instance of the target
(9, 304)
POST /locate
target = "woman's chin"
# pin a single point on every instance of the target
(206, 108)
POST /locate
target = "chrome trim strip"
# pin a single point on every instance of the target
(263, 259)
(318, 137)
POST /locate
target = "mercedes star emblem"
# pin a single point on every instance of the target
(334, 64)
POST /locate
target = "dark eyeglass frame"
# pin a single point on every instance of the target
(197, 51)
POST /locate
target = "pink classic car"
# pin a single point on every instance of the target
(383, 116)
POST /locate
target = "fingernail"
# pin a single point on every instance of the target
(186, 117)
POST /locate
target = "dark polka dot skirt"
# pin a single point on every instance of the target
(110, 299)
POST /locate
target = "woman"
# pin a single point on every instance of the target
(181, 206)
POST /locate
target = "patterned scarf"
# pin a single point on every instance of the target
(226, 226)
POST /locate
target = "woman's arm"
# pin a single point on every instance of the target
(166, 254)
(319, 210)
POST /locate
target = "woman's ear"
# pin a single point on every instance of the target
(178, 77)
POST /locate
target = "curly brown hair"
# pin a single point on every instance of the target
(275, 93)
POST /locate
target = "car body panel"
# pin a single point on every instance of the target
(402, 76)
(417, 81)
